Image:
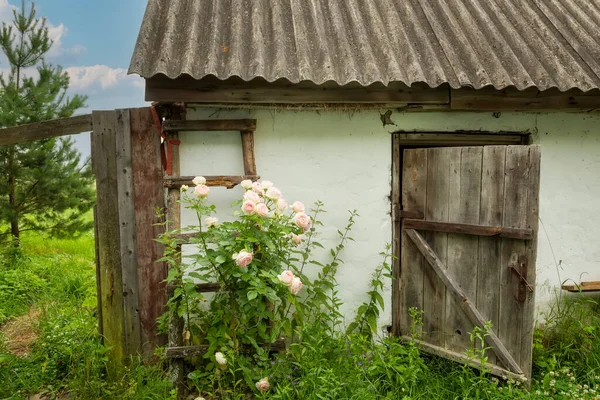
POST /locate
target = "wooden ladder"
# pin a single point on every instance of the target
(176, 351)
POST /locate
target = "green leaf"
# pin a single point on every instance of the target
(252, 295)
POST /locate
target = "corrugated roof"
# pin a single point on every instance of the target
(473, 43)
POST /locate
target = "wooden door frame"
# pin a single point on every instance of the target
(409, 140)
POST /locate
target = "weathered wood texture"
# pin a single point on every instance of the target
(208, 287)
(248, 152)
(591, 286)
(483, 204)
(98, 274)
(108, 234)
(396, 205)
(148, 194)
(441, 139)
(469, 229)
(127, 234)
(236, 90)
(46, 129)
(462, 300)
(174, 125)
(172, 181)
(196, 351)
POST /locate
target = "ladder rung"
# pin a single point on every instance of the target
(208, 287)
(185, 238)
(223, 180)
(195, 351)
(171, 125)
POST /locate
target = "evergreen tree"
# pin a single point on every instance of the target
(44, 186)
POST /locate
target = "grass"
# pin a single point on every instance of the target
(53, 280)
(47, 310)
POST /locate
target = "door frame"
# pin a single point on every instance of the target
(401, 141)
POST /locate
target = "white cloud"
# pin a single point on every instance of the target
(58, 49)
(6, 11)
(95, 77)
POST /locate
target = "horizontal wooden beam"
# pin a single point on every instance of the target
(467, 229)
(45, 129)
(209, 125)
(411, 214)
(591, 286)
(463, 300)
(197, 351)
(439, 139)
(259, 91)
(462, 358)
(208, 287)
(185, 238)
(225, 181)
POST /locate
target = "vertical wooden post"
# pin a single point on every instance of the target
(248, 152)
(149, 195)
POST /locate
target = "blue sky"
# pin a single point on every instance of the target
(93, 41)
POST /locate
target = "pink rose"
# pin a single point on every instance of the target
(252, 196)
(256, 186)
(298, 207)
(282, 205)
(199, 180)
(263, 385)
(295, 286)
(246, 184)
(201, 191)
(211, 221)
(286, 277)
(273, 193)
(243, 258)
(262, 209)
(302, 220)
(297, 239)
(248, 207)
(266, 184)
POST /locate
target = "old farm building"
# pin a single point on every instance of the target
(428, 117)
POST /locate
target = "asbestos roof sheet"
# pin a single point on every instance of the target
(464, 43)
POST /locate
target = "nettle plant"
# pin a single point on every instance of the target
(259, 260)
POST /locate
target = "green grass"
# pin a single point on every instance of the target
(56, 279)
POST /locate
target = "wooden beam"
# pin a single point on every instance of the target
(592, 286)
(236, 90)
(511, 99)
(45, 129)
(248, 152)
(463, 359)
(207, 287)
(172, 125)
(229, 182)
(196, 351)
(467, 305)
(467, 229)
(439, 139)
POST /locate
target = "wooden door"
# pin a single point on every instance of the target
(468, 251)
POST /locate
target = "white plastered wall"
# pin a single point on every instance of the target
(344, 159)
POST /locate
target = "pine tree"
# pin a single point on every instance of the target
(44, 186)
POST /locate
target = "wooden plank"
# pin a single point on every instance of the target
(175, 182)
(46, 129)
(463, 207)
(131, 321)
(510, 322)
(398, 306)
(411, 214)
(98, 275)
(463, 359)
(105, 168)
(511, 99)
(533, 210)
(208, 287)
(492, 202)
(248, 151)
(197, 351)
(439, 139)
(592, 286)
(148, 195)
(434, 290)
(467, 305)
(410, 279)
(259, 91)
(176, 125)
(470, 229)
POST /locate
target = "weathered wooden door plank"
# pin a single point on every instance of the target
(414, 177)
(463, 206)
(466, 304)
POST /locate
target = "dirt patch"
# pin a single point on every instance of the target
(21, 332)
